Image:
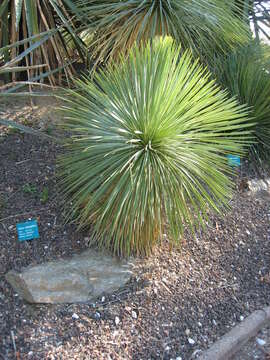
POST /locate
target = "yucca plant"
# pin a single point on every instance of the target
(206, 26)
(149, 145)
(245, 73)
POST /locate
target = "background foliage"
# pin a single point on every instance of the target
(244, 73)
(83, 30)
(204, 26)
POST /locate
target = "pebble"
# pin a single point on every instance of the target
(97, 315)
(134, 314)
(191, 341)
(260, 342)
(195, 353)
(179, 358)
(248, 232)
(200, 324)
(75, 316)
(187, 332)
(116, 320)
(103, 299)
(241, 317)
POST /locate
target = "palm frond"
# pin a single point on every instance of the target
(206, 26)
(149, 145)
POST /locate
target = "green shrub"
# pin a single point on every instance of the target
(149, 141)
(245, 73)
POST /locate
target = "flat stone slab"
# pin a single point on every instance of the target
(82, 278)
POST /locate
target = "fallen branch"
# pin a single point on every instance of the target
(28, 130)
(17, 215)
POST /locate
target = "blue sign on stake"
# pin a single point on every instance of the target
(234, 160)
(27, 230)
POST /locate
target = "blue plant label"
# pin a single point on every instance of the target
(234, 160)
(27, 230)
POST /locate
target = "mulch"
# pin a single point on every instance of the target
(179, 300)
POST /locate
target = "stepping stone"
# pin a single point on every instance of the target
(82, 278)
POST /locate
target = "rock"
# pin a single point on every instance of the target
(75, 316)
(97, 315)
(195, 354)
(191, 341)
(259, 184)
(260, 188)
(82, 278)
(117, 320)
(260, 342)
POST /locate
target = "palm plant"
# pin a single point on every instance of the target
(149, 145)
(20, 19)
(206, 26)
(245, 73)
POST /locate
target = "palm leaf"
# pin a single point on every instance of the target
(30, 19)
(18, 12)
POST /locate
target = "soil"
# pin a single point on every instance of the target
(179, 301)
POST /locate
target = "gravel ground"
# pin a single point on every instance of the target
(179, 301)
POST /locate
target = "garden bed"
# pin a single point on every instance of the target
(179, 301)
